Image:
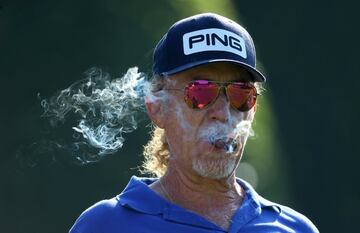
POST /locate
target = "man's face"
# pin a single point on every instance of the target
(190, 132)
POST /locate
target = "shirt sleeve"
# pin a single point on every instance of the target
(93, 219)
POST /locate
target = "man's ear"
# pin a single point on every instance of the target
(155, 112)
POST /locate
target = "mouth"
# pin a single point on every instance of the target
(227, 144)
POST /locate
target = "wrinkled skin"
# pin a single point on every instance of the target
(201, 177)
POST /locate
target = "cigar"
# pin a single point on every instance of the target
(227, 144)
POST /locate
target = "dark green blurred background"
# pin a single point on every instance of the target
(304, 153)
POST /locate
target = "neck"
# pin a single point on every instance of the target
(184, 187)
(214, 199)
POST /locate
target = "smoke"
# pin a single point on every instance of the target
(97, 111)
(104, 109)
(226, 138)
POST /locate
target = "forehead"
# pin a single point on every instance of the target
(221, 71)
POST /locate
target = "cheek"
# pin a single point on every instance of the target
(244, 116)
(182, 130)
(177, 121)
(242, 124)
(181, 117)
(251, 114)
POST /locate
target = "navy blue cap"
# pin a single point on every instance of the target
(202, 39)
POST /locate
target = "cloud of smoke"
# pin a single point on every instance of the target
(100, 110)
(104, 110)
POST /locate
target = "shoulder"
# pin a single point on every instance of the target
(297, 220)
(101, 208)
(277, 216)
(96, 216)
(286, 217)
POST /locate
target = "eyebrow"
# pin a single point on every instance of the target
(200, 76)
(236, 78)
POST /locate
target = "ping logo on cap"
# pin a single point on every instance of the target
(213, 39)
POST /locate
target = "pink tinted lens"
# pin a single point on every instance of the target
(200, 94)
(242, 96)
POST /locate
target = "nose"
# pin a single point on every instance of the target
(220, 110)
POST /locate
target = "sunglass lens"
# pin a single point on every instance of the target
(200, 94)
(242, 96)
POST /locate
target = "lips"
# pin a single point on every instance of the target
(227, 144)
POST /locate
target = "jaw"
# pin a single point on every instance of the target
(214, 168)
(203, 159)
(219, 165)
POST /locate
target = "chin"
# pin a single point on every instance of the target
(214, 169)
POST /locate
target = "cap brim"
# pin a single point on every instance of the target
(257, 75)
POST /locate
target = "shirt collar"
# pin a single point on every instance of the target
(254, 196)
(251, 206)
(138, 196)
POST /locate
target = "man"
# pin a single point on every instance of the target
(202, 102)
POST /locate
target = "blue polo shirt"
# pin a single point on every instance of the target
(138, 209)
